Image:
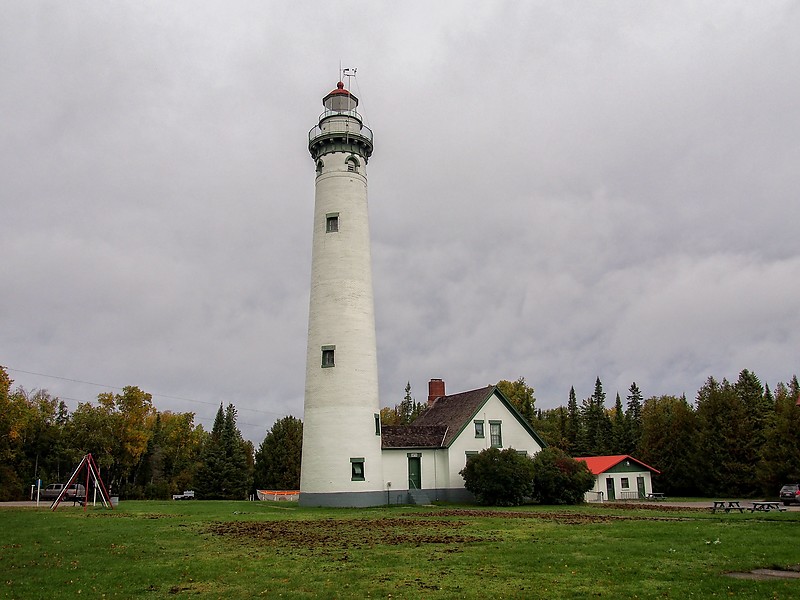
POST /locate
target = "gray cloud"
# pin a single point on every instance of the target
(559, 191)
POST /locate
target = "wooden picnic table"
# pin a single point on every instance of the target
(727, 506)
(766, 506)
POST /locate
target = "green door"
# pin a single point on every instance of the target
(640, 486)
(414, 473)
(610, 488)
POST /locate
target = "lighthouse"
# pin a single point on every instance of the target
(341, 425)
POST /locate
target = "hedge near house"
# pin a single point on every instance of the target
(559, 479)
(499, 477)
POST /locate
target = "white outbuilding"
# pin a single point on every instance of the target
(619, 477)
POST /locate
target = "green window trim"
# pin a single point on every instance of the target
(332, 223)
(496, 433)
(357, 469)
(377, 417)
(328, 357)
(479, 429)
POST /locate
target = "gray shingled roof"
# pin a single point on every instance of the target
(407, 436)
(439, 425)
(453, 411)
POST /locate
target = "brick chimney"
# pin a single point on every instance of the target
(435, 390)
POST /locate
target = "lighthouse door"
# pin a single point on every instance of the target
(414, 473)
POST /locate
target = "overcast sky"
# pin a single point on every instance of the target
(559, 190)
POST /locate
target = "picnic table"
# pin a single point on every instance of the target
(727, 506)
(656, 496)
(766, 506)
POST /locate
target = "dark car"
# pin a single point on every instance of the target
(52, 491)
(790, 493)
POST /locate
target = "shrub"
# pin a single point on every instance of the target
(559, 479)
(499, 477)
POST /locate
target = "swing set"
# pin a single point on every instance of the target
(88, 465)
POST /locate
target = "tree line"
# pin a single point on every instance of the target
(735, 439)
(141, 452)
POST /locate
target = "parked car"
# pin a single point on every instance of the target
(790, 493)
(52, 491)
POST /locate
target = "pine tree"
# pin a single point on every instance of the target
(225, 473)
(278, 458)
(619, 433)
(574, 425)
(633, 420)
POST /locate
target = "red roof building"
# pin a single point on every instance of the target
(619, 477)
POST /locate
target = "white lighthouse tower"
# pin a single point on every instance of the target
(341, 427)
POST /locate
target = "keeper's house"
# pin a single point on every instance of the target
(619, 477)
(421, 461)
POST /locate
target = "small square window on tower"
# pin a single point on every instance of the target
(332, 222)
(357, 469)
(328, 356)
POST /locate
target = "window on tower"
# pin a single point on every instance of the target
(352, 164)
(320, 164)
(327, 356)
(357, 469)
(332, 222)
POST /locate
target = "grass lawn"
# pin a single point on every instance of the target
(261, 549)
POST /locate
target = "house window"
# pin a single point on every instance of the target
(357, 469)
(624, 483)
(469, 454)
(327, 356)
(478, 429)
(495, 433)
(522, 452)
(377, 424)
(352, 164)
(332, 222)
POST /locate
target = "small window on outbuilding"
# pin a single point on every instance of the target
(357, 469)
(624, 483)
(328, 356)
(332, 222)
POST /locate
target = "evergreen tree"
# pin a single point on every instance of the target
(727, 460)
(668, 443)
(619, 433)
(596, 423)
(224, 474)
(573, 428)
(780, 455)
(633, 420)
(277, 465)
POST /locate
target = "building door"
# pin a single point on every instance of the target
(414, 473)
(640, 486)
(610, 488)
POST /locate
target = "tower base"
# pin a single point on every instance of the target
(343, 499)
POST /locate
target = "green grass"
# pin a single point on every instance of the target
(260, 549)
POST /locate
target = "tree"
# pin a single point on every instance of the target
(404, 413)
(596, 431)
(668, 443)
(633, 419)
(225, 472)
(574, 425)
(278, 458)
(780, 456)
(520, 394)
(619, 433)
(499, 477)
(559, 479)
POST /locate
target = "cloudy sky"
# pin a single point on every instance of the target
(559, 191)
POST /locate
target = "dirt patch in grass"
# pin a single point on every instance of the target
(790, 572)
(346, 533)
(561, 517)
